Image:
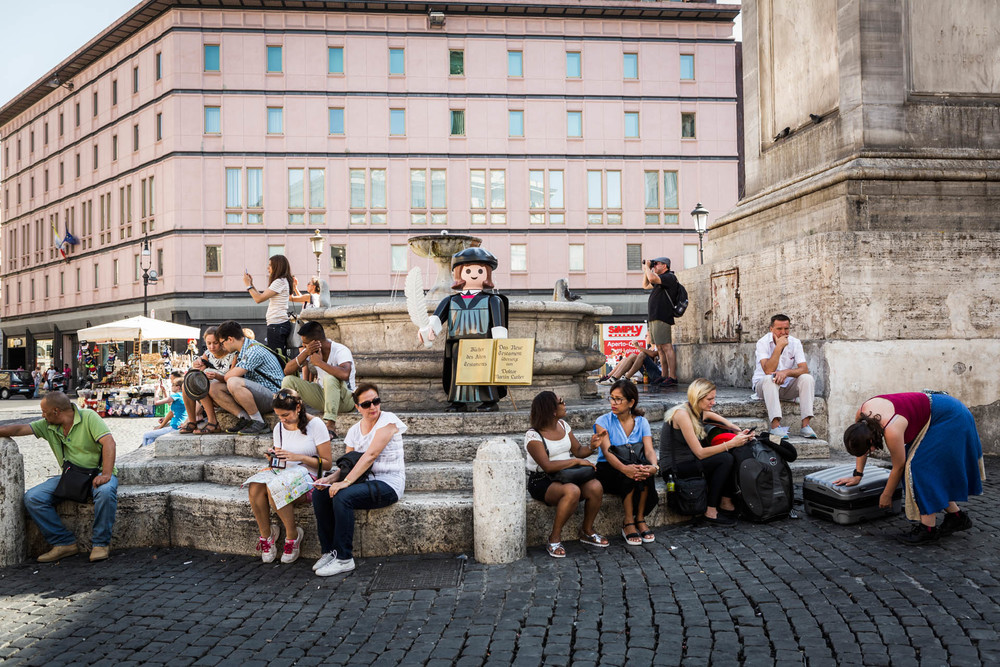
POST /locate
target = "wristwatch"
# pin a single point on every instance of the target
(858, 473)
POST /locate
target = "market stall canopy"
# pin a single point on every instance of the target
(132, 328)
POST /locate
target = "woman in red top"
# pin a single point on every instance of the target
(933, 442)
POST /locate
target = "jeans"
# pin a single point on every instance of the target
(150, 436)
(41, 506)
(335, 516)
(277, 335)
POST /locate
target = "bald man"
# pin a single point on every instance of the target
(79, 436)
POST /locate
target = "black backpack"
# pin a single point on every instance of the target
(679, 304)
(764, 490)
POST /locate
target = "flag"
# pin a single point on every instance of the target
(57, 239)
(68, 240)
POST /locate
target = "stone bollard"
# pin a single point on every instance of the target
(13, 537)
(498, 489)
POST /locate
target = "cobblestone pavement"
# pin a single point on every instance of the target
(795, 592)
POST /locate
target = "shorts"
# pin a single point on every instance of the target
(263, 397)
(659, 331)
(538, 485)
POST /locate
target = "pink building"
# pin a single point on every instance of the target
(573, 137)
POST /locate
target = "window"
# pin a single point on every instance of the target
(158, 65)
(62, 283)
(488, 204)
(114, 273)
(213, 259)
(335, 60)
(234, 199)
(604, 196)
(631, 124)
(574, 123)
(687, 126)
(76, 117)
(653, 204)
(45, 134)
(135, 137)
(515, 123)
(398, 258)
(78, 283)
(518, 257)
(273, 250)
(337, 120)
(76, 160)
(274, 120)
(687, 67)
(95, 156)
(397, 122)
(375, 203)
(515, 63)
(273, 59)
(297, 196)
(94, 114)
(45, 180)
(573, 67)
(60, 124)
(255, 194)
(456, 63)
(576, 257)
(159, 261)
(114, 147)
(213, 120)
(690, 255)
(434, 206)
(135, 79)
(147, 207)
(633, 257)
(338, 258)
(630, 65)
(458, 122)
(97, 273)
(211, 57)
(114, 92)
(137, 267)
(397, 62)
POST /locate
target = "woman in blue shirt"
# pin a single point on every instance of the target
(632, 479)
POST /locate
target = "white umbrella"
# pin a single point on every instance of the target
(137, 328)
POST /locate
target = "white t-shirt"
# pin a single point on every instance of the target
(559, 450)
(302, 443)
(277, 305)
(339, 354)
(791, 357)
(389, 466)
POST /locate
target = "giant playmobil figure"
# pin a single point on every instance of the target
(472, 313)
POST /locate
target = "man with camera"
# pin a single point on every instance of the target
(657, 276)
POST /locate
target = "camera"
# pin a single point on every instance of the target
(275, 461)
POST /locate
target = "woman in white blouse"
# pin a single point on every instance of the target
(279, 286)
(376, 480)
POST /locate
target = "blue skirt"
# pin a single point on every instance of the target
(946, 465)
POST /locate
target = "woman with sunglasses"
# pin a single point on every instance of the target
(379, 439)
(632, 479)
(551, 448)
(300, 439)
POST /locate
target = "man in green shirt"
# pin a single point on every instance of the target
(80, 436)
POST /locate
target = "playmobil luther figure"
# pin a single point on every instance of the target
(471, 313)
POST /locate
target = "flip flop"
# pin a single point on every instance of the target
(646, 535)
(556, 549)
(207, 429)
(187, 428)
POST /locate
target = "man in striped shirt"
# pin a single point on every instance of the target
(250, 384)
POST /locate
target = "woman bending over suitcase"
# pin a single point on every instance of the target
(683, 431)
(933, 442)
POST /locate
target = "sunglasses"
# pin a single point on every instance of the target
(368, 404)
(285, 394)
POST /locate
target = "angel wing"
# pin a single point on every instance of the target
(416, 304)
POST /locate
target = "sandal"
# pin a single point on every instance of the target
(593, 539)
(208, 429)
(556, 549)
(646, 535)
(632, 539)
(187, 428)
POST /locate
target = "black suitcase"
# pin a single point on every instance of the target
(849, 504)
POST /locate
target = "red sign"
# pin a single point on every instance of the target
(617, 338)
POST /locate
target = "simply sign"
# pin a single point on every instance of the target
(499, 361)
(617, 338)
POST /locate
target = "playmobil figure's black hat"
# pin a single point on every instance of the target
(474, 256)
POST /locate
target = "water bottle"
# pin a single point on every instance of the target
(671, 487)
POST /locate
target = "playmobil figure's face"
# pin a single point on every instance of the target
(474, 275)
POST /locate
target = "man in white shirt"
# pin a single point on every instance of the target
(781, 373)
(333, 365)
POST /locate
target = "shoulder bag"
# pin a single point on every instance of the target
(578, 474)
(76, 483)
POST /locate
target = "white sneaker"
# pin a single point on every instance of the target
(807, 432)
(267, 546)
(781, 431)
(292, 547)
(608, 382)
(336, 566)
(324, 560)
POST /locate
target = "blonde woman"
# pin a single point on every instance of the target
(683, 431)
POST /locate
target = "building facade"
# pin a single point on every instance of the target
(572, 138)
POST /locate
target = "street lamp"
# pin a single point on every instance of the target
(700, 215)
(317, 246)
(148, 275)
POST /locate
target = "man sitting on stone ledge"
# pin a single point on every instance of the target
(250, 383)
(333, 366)
(79, 436)
(781, 373)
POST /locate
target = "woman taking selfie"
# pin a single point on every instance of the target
(279, 285)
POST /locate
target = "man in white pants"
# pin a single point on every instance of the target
(781, 373)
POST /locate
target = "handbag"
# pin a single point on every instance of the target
(689, 495)
(294, 341)
(346, 464)
(76, 482)
(578, 474)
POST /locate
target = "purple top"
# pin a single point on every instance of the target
(915, 406)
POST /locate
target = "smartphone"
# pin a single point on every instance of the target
(276, 462)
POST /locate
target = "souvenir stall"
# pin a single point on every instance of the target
(128, 385)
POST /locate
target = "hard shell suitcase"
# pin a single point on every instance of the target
(849, 504)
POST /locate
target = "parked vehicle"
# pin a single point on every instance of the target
(13, 383)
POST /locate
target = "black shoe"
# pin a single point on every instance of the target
(954, 522)
(721, 520)
(489, 406)
(659, 380)
(919, 534)
(255, 428)
(240, 424)
(670, 382)
(457, 407)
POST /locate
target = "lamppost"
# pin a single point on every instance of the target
(700, 215)
(317, 246)
(148, 275)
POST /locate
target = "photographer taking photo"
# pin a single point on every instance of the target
(657, 276)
